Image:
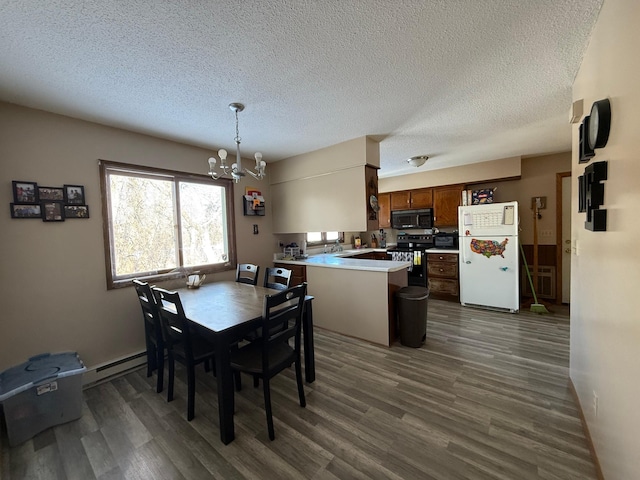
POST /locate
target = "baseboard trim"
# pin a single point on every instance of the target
(585, 427)
(118, 366)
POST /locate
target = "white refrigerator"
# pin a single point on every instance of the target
(489, 256)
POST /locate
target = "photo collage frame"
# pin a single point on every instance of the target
(50, 204)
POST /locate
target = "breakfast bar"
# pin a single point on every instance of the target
(354, 297)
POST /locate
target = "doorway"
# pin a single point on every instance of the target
(563, 237)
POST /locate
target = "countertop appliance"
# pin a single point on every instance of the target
(489, 255)
(412, 248)
(446, 240)
(412, 218)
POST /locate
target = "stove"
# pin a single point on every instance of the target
(410, 243)
(415, 246)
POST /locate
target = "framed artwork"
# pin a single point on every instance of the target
(25, 192)
(52, 212)
(26, 210)
(74, 195)
(76, 211)
(51, 193)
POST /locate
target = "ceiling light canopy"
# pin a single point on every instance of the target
(417, 161)
(236, 171)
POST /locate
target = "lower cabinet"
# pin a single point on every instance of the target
(371, 256)
(442, 272)
(298, 272)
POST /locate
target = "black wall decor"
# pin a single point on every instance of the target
(51, 204)
(594, 174)
(586, 153)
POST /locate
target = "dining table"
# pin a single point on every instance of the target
(225, 312)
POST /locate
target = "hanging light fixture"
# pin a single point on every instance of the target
(235, 170)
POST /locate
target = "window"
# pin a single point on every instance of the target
(162, 224)
(324, 237)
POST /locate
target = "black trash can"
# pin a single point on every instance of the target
(412, 315)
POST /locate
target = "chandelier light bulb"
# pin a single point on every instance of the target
(222, 153)
(212, 162)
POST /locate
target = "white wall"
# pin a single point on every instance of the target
(605, 318)
(52, 275)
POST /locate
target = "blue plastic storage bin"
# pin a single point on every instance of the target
(44, 391)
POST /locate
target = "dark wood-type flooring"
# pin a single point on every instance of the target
(487, 397)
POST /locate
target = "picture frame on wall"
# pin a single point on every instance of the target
(51, 193)
(26, 210)
(76, 211)
(25, 192)
(52, 212)
(74, 195)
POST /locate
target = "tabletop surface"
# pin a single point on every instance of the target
(219, 306)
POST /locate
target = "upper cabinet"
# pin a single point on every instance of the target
(411, 199)
(327, 190)
(445, 205)
(384, 215)
(444, 201)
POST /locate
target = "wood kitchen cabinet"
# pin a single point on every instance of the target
(446, 201)
(384, 215)
(371, 256)
(412, 199)
(442, 272)
(298, 272)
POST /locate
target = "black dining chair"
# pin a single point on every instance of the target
(277, 278)
(182, 344)
(273, 353)
(152, 332)
(247, 273)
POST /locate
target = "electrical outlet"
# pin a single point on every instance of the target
(595, 404)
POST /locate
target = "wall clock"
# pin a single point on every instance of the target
(599, 124)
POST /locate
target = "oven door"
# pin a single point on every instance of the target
(418, 274)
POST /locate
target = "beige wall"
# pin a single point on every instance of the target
(53, 274)
(476, 172)
(538, 179)
(605, 323)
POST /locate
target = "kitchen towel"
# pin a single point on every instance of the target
(403, 257)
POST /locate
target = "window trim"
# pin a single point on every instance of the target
(175, 176)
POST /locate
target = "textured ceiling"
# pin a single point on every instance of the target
(462, 81)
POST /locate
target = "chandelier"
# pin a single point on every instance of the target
(235, 170)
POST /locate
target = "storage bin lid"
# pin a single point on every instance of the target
(41, 367)
(413, 293)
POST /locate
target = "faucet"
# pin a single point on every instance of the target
(337, 247)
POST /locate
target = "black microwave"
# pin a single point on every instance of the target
(412, 218)
(446, 240)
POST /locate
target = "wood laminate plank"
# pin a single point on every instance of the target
(486, 397)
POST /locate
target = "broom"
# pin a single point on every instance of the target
(535, 306)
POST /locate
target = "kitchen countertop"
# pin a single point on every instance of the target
(342, 260)
(443, 250)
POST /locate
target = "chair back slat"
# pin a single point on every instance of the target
(277, 278)
(282, 318)
(175, 325)
(149, 311)
(247, 273)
